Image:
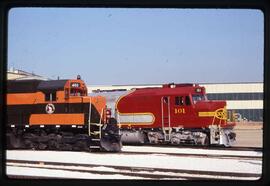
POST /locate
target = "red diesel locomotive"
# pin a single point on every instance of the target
(173, 113)
(58, 115)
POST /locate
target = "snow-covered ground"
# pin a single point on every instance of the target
(26, 171)
(172, 150)
(152, 161)
(76, 173)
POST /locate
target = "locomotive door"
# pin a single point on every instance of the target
(166, 117)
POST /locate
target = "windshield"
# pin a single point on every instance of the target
(76, 92)
(198, 97)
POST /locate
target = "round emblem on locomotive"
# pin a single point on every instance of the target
(50, 108)
(221, 114)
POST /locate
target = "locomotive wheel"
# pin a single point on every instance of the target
(42, 146)
(15, 142)
(65, 146)
(81, 145)
(53, 145)
(30, 145)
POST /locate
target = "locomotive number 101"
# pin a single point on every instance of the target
(179, 110)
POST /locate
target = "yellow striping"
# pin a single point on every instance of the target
(207, 114)
(137, 123)
(219, 113)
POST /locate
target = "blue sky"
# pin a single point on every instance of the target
(138, 46)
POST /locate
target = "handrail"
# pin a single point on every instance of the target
(89, 116)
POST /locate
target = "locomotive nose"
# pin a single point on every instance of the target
(221, 113)
(214, 109)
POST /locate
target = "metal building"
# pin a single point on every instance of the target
(246, 99)
(15, 74)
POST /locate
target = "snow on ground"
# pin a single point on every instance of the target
(26, 171)
(142, 160)
(190, 151)
(75, 173)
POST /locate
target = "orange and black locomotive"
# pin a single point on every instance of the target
(58, 115)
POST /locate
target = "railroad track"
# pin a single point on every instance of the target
(233, 148)
(138, 172)
(128, 163)
(198, 155)
(193, 152)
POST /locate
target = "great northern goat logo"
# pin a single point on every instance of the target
(50, 108)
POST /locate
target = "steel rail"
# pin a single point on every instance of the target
(218, 156)
(233, 148)
(144, 172)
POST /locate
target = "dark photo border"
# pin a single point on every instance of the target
(6, 5)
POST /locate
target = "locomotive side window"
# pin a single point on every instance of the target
(182, 100)
(187, 100)
(179, 100)
(50, 96)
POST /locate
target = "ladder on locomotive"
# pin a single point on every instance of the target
(94, 130)
(165, 118)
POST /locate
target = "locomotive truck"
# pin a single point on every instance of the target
(58, 115)
(173, 113)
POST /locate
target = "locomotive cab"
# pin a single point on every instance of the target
(75, 88)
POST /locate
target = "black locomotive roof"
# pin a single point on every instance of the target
(20, 86)
(31, 86)
(52, 85)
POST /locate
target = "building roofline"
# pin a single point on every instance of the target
(177, 83)
(232, 83)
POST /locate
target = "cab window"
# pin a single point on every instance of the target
(197, 97)
(182, 100)
(179, 100)
(75, 92)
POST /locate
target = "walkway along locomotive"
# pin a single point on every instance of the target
(173, 113)
(58, 114)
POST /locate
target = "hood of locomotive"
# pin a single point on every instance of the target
(213, 112)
